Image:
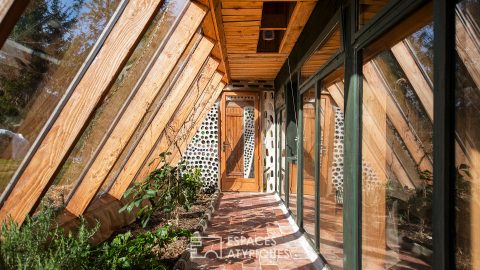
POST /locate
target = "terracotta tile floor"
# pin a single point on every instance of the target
(251, 231)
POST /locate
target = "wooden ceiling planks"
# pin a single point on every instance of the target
(242, 24)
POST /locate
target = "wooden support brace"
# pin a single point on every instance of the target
(162, 118)
(299, 18)
(178, 124)
(415, 76)
(189, 132)
(139, 105)
(398, 120)
(379, 153)
(468, 48)
(103, 71)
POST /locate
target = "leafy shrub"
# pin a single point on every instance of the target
(128, 252)
(166, 188)
(41, 244)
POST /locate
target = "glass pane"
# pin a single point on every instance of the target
(421, 45)
(331, 174)
(108, 110)
(292, 185)
(368, 9)
(309, 161)
(321, 55)
(283, 153)
(38, 61)
(240, 137)
(467, 106)
(397, 178)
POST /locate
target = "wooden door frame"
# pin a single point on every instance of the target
(258, 147)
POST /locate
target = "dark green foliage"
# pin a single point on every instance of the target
(164, 189)
(128, 252)
(41, 244)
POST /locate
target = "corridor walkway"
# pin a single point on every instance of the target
(252, 231)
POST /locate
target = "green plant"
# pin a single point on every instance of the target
(165, 189)
(41, 244)
(128, 252)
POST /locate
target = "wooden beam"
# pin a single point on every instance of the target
(167, 112)
(397, 118)
(299, 18)
(379, 153)
(168, 138)
(216, 23)
(138, 107)
(468, 47)
(10, 12)
(98, 78)
(415, 76)
(189, 132)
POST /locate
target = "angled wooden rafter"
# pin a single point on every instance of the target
(189, 132)
(132, 117)
(213, 28)
(299, 18)
(378, 152)
(138, 106)
(39, 172)
(468, 47)
(170, 109)
(398, 120)
(415, 76)
(178, 124)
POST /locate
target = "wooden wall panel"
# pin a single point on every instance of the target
(167, 112)
(150, 88)
(61, 137)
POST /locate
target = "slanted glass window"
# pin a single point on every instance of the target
(325, 51)
(109, 109)
(309, 161)
(467, 156)
(397, 180)
(39, 60)
(331, 123)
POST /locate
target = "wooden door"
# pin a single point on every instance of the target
(240, 128)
